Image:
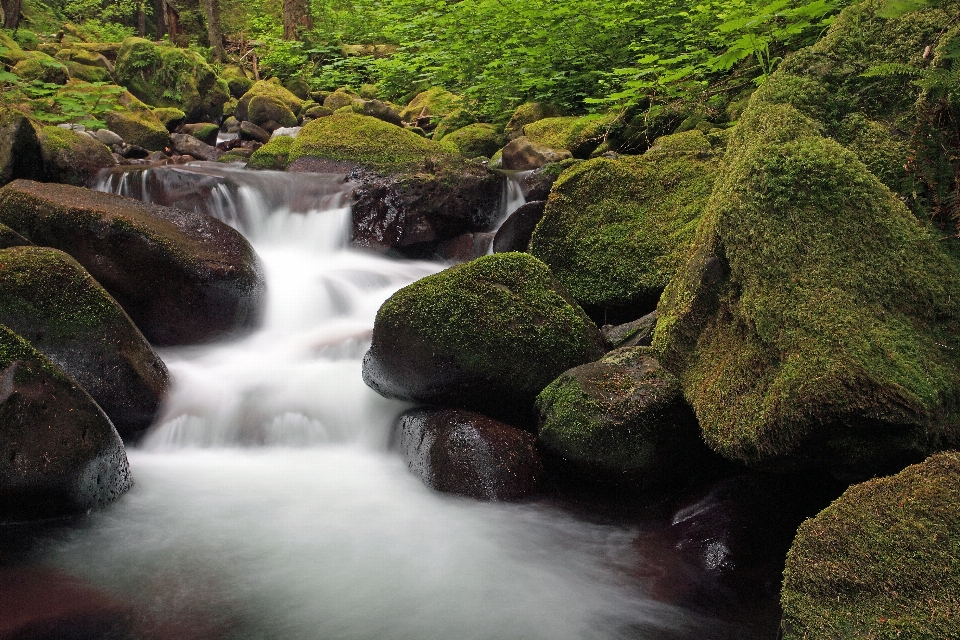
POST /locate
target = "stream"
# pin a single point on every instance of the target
(269, 504)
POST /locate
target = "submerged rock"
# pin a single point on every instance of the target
(51, 301)
(621, 419)
(59, 454)
(183, 277)
(881, 561)
(469, 454)
(487, 336)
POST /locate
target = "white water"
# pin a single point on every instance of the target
(268, 503)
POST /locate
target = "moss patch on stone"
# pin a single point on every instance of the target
(170, 117)
(528, 113)
(614, 231)
(72, 158)
(273, 155)
(579, 135)
(435, 102)
(882, 561)
(140, 127)
(271, 87)
(475, 140)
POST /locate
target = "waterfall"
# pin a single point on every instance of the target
(268, 503)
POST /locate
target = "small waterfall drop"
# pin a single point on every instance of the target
(268, 503)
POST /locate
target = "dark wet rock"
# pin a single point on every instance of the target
(638, 333)
(487, 336)
(465, 247)
(73, 158)
(522, 154)
(20, 155)
(380, 111)
(536, 184)
(469, 454)
(411, 194)
(51, 301)
(251, 131)
(514, 234)
(59, 454)
(623, 420)
(43, 604)
(133, 152)
(10, 238)
(202, 131)
(183, 277)
(191, 146)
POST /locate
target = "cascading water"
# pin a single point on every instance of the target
(268, 503)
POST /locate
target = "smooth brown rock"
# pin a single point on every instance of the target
(515, 232)
(523, 154)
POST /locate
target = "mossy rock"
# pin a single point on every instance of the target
(265, 108)
(273, 155)
(43, 68)
(615, 230)
(86, 73)
(578, 135)
(298, 87)
(475, 140)
(456, 120)
(59, 455)
(169, 76)
(170, 117)
(621, 419)
(183, 277)
(237, 79)
(486, 335)
(815, 322)
(10, 238)
(12, 53)
(270, 87)
(140, 127)
(690, 141)
(881, 561)
(84, 57)
(49, 299)
(528, 113)
(20, 155)
(338, 100)
(436, 103)
(73, 158)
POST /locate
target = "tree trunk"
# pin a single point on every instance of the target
(141, 19)
(11, 13)
(212, 10)
(296, 18)
(160, 10)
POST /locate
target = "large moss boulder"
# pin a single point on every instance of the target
(269, 111)
(10, 238)
(882, 561)
(49, 299)
(579, 135)
(412, 193)
(59, 454)
(814, 322)
(621, 419)
(487, 335)
(39, 66)
(263, 89)
(273, 155)
(475, 140)
(140, 126)
(528, 113)
(183, 277)
(237, 79)
(73, 158)
(615, 230)
(434, 103)
(168, 76)
(20, 155)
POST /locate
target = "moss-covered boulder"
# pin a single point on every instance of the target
(413, 193)
(20, 155)
(170, 117)
(183, 277)
(579, 135)
(486, 335)
(528, 113)
(615, 230)
(454, 120)
(50, 300)
(73, 158)
(338, 99)
(814, 322)
(85, 57)
(273, 155)
(169, 76)
(237, 79)
(266, 88)
(434, 103)
(621, 419)
(475, 140)
(42, 67)
(86, 73)
(10, 238)
(140, 126)
(59, 454)
(882, 561)
(269, 112)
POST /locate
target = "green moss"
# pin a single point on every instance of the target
(267, 88)
(614, 231)
(232, 157)
(814, 320)
(690, 141)
(170, 117)
(435, 102)
(502, 318)
(456, 119)
(338, 100)
(272, 155)
(237, 80)
(169, 76)
(375, 144)
(266, 108)
(528, 113)
(612, 413)
(87, 73)
(41, 67)
(14, 348)
(71, 157)
(140, 127)
(475, 140)
(579, 135)
(881, 561)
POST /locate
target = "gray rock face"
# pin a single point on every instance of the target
(251, 131)
(469, 454)
(515, 232)
(188, 145)
(108, 137)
